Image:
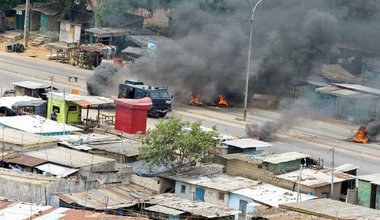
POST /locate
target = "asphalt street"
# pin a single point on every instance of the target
(314, 137)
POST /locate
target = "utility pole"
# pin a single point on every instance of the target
(26, 24)
(332, 173)
(51, 96)
(299, 184)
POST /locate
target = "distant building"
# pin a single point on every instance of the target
(246, 145)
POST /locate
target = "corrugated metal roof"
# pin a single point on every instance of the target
(271, 195)
(16, 158)
(137, 50)
(247, 143)
(107, 31)
(359, 88)
(10, 101)
(223, 183)
(31, 85)
(81, 100)
(370, 178)
(344, 92)
(285, 157)
(57, 170)
(347, 167)
(164, 210)
(316, 177)
(21, 211)
(36, 124)
(115, 197)
(72, 214)
(336, 73)
(68, 157)
(194, 207)
(332, 209)
(15, 137)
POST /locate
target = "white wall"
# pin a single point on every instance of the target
(235, 200)
(69, 33)
(187, 194)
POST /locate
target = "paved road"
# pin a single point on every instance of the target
(309, 136)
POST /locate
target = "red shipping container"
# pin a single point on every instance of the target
(131, 115)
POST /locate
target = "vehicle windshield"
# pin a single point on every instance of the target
(159, 94)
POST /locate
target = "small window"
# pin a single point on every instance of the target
(221, 196)
(72, 108)
(183, 188)
(56, 109)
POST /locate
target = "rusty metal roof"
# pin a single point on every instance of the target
(118, 197)
(16, 158)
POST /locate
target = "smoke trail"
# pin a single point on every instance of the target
(105, 80)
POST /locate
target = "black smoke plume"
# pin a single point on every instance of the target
(104, 81)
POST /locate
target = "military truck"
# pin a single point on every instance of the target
(134, 89)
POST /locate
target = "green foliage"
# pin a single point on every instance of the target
(6, 4)
(174, 142)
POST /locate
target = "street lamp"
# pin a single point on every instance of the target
(249, 58)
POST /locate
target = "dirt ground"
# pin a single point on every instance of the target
(36, 52)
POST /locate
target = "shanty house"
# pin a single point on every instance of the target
(18, 105)
(316, 182)
(69, 106)
(249, 199)
(169, 206)
(351, 101)
(369, 191)
(34, 22)
(33, 89)
(50, 14)
(106, 35)
(70, 32)
(246, 145)
(118, 199)
(285, 162)
(211, 188)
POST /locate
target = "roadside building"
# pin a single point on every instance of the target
(369, 191)
(70, 32)
(169, 206)
(18, 105)
(30, 88)
(349, 104)
(69, 106)
(246, 145)
(121, 199)
(51, 14)
(332, 209)
(106, 35)
(201, 185)
(285, 162)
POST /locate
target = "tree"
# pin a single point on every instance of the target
(6, 5)
(174, 142)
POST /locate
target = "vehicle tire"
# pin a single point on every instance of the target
(162, 115)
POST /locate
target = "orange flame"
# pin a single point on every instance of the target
(360, 136)
(223, 101)
(196, 100)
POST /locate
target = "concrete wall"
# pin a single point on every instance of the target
(150, 183)
(364, 193)
(187, 194)
(34, 188)
(212, 196)
(284, 167)
(234, 202)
